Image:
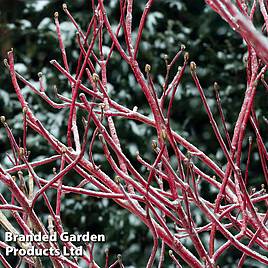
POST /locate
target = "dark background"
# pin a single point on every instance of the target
(28, 27)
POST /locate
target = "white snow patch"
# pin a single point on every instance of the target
(25, 24)
(38, 5)
(21, 68)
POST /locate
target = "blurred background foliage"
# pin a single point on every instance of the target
(28, 27)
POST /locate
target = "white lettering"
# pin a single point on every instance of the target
(8, 236)
(9, 250)
(22, 252)
(93, 238)
(64, 237)
(53, 237)
(101, 238)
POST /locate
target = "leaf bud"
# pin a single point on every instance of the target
(216, 86)
(55, 90)
(21, 152)
(50, 221)
(101, 138)
(255, 83)
(117, 179)
(64, 6)
(95, 78)
(6, 62)
(186, 56)
(147, 68)
(3, 119)
(10, 52)
(106, 251)
(135, 109)
(193, 66)
(82, 95)
(154, 144)
(24, 110)
(163, 134)
(84, 121)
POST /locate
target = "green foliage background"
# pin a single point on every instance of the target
(28, 27)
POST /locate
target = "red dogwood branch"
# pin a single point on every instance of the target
(167, 191)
